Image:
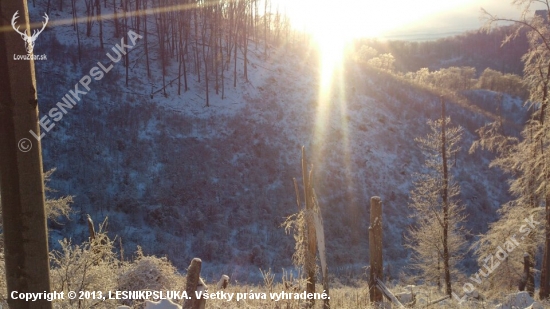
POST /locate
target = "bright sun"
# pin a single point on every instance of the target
(333, 23)
(360, 18)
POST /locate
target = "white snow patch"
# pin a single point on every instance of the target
(162, 304)
(520, 300)
(224, 281)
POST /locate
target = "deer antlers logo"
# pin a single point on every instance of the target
(29, 40)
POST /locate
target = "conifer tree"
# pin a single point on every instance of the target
(437, 236)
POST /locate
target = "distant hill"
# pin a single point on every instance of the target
(475, 48)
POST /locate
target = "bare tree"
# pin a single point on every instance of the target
(89, 16)
(115, 19)
(100, 21)
(75, 27)
(245, 33)
(145, 36)
(267, 24)
(206, 35)
(162, 32)
(183, 25)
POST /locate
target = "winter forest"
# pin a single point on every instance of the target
(274, 154)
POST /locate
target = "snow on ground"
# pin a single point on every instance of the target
(520, 300)
(162, 304)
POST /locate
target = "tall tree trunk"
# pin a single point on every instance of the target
(161, 30)
(266, 25)
(222, 66)
(544, 276)
(21, 182)
(75, 27)
(445, 199)
(146, 45)
(115, 18)
(197, 61)
(89, 15)
(180, 50)
(183, 59)
(245, 44)
(126, 54)
(124, 6)
(530, 280)
(438, 272)
(100, 21)
(138, 16)
(544, 292)
(235, 53)
(206, 52)
(217, 31)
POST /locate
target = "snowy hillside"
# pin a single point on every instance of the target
(185, 180)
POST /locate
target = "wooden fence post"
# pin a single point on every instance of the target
(310, 263)
(91, 228)
(375, 248)
(320, 233)
(314, 231)
(192, 280)
(201, 303)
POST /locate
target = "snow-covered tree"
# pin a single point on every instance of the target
(383, 62)
(526, 158)
(500, 258)
(366, 53)
(90, 266)
(54, 207)
(437, 237)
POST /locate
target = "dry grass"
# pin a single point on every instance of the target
(344, 297)
(339, 298)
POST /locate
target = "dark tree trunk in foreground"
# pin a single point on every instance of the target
(545, 270)
(544, 292)
(22, 184)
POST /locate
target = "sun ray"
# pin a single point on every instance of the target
(333, 25)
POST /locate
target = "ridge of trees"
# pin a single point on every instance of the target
(479, 49)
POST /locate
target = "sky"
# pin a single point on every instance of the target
(372, 18)
(467, 14)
